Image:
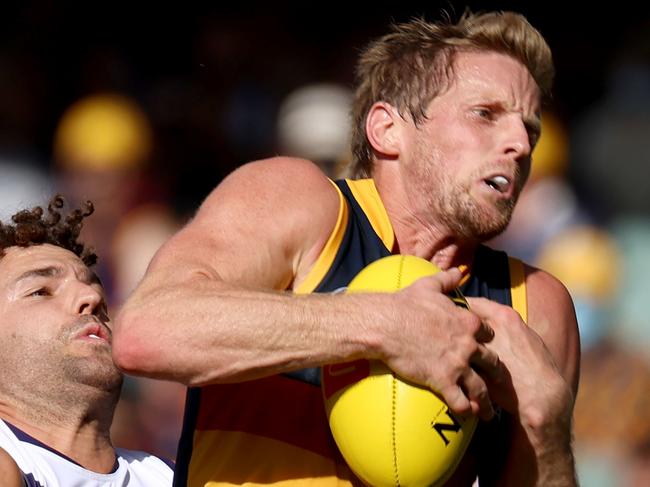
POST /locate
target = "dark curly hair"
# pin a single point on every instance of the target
(34, 227)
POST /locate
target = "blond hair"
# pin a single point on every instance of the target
(414, 63)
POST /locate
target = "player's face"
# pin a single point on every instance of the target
(471, 156)
(53, 320)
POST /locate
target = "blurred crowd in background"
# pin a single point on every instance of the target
(144, 109)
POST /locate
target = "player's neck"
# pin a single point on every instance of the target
(417, 233)
(443, 251)
(82, 436)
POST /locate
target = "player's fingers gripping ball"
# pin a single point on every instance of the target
(391, 432)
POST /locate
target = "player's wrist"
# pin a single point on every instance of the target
(553, 449)
(550, 414)
(556, 466)
(383, 327)
(379, 323)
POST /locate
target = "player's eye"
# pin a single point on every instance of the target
(484, 113)
(42, 291)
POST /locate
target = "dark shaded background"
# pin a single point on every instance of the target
(192, 65)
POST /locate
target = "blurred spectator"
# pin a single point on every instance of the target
(139, 234)
(101, 148)
(612, 424)
(631, 306)
(106, 132)
(587, 260)
(149, 415)
(638, 469)
(612, 167)
(314, 123)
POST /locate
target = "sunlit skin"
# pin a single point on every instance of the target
(483, 126)
(50, 300)
(55, 338)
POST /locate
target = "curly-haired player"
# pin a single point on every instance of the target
(59, 386)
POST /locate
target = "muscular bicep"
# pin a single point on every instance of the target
(551, 314)
(228, 244)
(208, 291)
(258, 228)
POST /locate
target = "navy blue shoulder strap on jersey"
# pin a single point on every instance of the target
(490, 277)
(186, 441)
(360, 246)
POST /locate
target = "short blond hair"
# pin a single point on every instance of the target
(412, 64)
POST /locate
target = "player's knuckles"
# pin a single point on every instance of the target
(454, 366)
(506, 314)
(468, 322)
(473, 383)
(477, 390)
(446, 371)
(464, 347)
(456, 399)
(504, 317)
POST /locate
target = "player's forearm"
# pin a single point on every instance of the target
(540, 456)
(204, 331)
(556, 466)
(550, 436)
(553, 469)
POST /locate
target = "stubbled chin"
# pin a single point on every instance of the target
(496, 222)
(97, 370)
(482, 220)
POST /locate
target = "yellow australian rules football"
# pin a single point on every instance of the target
(392, 432)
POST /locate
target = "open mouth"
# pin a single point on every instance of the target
(498, 183)
(94, 331)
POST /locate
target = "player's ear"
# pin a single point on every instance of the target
(383, 129)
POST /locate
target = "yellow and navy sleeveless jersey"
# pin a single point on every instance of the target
(274, 430)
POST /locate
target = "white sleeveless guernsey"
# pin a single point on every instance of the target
(42, 466)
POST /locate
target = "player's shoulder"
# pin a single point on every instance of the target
(550, 310)
(279, 173)
(545, 288)
(277, 186)
(283, 163)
